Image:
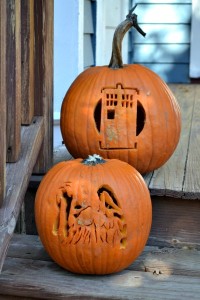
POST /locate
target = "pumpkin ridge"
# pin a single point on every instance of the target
(156, 154)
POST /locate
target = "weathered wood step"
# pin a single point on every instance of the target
(18, 176)
(159, 273)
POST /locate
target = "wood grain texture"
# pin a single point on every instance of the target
(27, 60)
(157, 274)
(43, 19)
(169, 179)
(2, 100)
(171, 261)
(17, 176)
(175, 222)
(13, 79)
(191, 185)
(46, 280)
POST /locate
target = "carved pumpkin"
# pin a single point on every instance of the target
(93, 216)
(121, 111)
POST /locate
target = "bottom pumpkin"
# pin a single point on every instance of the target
(93, 216)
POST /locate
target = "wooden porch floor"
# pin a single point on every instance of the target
(159, 273)
(169, 266)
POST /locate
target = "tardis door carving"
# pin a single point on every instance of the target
(119, 118)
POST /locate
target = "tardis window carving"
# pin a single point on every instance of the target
(110, 114)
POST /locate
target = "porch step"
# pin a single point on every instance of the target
(17, 178)
(159, 273)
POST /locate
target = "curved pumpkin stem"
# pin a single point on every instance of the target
(131, 20)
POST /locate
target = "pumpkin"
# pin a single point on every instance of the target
(93, 216)
(121, 111)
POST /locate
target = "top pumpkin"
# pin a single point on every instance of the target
(121, 111)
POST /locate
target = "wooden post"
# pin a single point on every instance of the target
(2, 100)
(43, 12)
(27, 60)
(13, 79)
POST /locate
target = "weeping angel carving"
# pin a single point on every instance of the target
(86, 216)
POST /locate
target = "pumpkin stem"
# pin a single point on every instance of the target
(93, 160)
(131, 20)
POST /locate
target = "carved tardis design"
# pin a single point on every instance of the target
(119, 118)
(79, 219)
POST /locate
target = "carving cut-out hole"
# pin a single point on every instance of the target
(123, 243)
(69, 201)
(77, 207)
(104, 189)
(97, 115)
(111, 114)
(117, 215)
(141, 117)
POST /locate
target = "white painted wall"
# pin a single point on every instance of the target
(109, 14)
(68, 52)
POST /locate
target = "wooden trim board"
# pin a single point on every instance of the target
(27, 61)
(43, 81)
(13, 79)
(2, 99)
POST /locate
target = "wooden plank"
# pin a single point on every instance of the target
(113, 19)
(88, 18)
(18, 176)
(169, 261)
(168, 180)
(2, 100)
(27, 60)
(171, 73)
(88, 51)
(164, 13)
(46, 280)
(43, 19)
(162, 53)
(175, 222)
(27, 247)
(163, 33)
(13, 79)
(191, 185)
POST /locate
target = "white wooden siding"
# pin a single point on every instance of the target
(109, 14)
(195, 41)
(166, 47)
(89, 31)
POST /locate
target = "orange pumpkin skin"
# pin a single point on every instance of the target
(144, 132)
(93, 219)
